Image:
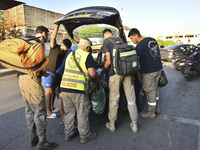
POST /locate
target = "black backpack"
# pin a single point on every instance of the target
(125, 59)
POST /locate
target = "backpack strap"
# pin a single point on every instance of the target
(113, 41)
(29, 39)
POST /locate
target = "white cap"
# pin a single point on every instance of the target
(84, 42)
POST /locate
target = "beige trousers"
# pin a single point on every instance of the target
(150, 86)
(33, 95)
(115, 82)
(76, 103)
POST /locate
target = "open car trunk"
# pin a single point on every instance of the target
(92, 15)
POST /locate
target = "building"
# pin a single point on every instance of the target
(22, 20)
(182, 36)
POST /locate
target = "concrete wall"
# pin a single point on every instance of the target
(25, 19)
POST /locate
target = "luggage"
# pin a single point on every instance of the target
(23, 54)
(125, 59)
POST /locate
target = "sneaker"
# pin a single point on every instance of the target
(110, 126)
(134, 127)
(149, 115)
(61, 122)
(46, 146)
(89, 138)
(55, 110)
(34, 140)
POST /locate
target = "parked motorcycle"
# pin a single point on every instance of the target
(179, 60)
(192, 67)
(182, 64)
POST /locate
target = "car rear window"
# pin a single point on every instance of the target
(171, 47)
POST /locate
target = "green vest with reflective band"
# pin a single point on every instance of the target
(72, 77)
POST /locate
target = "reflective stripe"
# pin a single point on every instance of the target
(114, 65)
(29, 116)
(76, 72)
(114, 103)
(133, 52)
(131, 102)
(152, 104)
(157, 98)
(73, 80)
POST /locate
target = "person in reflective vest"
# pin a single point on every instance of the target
(73, 92)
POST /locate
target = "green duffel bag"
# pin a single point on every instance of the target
(98, 99)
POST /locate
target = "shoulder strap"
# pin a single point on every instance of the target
(78, 65)
(29, 39)
(113, 41)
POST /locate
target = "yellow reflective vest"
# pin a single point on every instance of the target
(72, 76)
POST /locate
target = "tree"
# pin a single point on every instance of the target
(2, 28)
(169, 42)
(162, 43)
(94, 31)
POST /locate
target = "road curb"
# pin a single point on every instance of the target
(7, 72)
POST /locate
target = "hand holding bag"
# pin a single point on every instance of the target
(89, 84)
(163, 79)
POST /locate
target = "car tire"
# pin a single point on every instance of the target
(140, 98)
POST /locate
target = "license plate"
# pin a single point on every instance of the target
(182, 64)
(163, 52)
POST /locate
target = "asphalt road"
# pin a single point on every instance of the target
(176, 128)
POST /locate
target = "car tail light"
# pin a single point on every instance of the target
(188, 62)
(172, 51)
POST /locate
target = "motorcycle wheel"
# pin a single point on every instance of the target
(183, 70)
(177, 66)
(188, 76)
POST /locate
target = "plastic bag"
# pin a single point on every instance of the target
(98, 99)
(163, 79)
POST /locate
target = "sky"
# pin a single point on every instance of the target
(149, 16)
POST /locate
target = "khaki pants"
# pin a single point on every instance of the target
(115, 82)
(76, 103)
(33, 95)
(150, 86)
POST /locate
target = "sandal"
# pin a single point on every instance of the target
(55, 110)
(61, 122)
(53, 116)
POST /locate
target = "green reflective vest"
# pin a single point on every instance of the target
(72, 77)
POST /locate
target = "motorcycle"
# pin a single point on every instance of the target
(179, 60)
(182, 64)
(192, 67)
